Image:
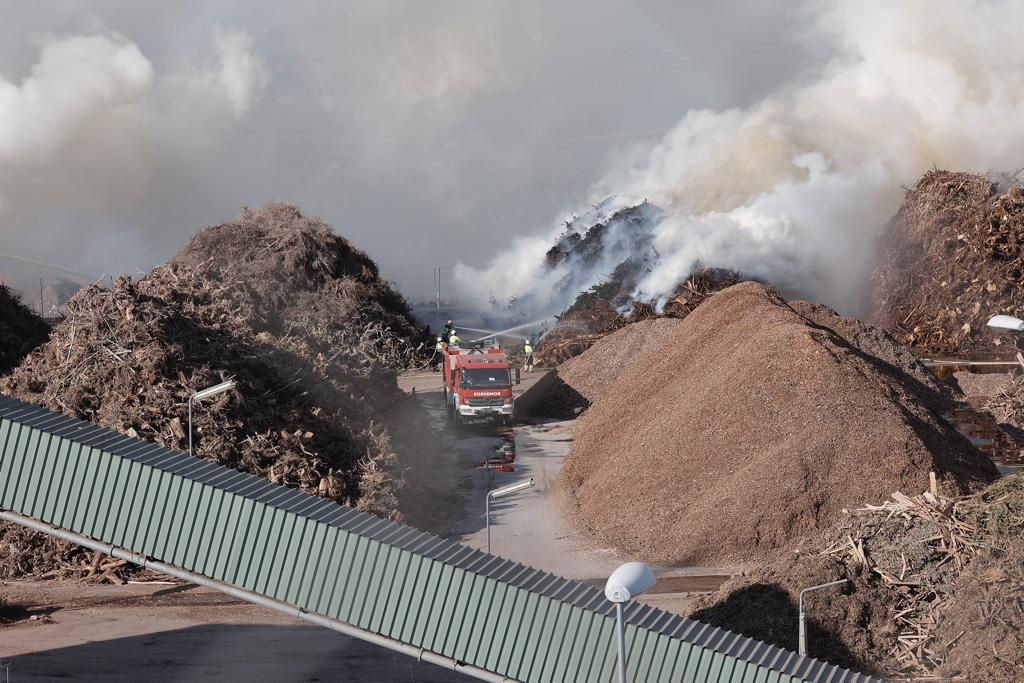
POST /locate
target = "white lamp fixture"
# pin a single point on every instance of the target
(498, 493)
(626, 582)
(199, 396)
(1006, 322)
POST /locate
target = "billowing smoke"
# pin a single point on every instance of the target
(795, 188)
(93, 122)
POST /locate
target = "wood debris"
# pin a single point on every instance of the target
(952, 258)
(296, 315)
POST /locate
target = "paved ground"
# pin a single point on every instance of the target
(529, 527)
(182, 633)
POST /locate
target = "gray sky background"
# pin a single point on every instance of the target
(428, 132)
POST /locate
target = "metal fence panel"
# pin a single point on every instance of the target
(377, 575)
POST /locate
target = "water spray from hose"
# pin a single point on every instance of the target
(535, 323)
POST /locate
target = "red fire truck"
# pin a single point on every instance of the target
(477, 384)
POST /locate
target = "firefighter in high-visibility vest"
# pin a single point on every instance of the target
(438, 357)
(528, 350)
(453, 340)
(449, 327)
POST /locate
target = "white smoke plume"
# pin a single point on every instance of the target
(237, 76)
(74, 81)
(796, 188)
(93, 122)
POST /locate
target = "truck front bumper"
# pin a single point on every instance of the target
(485, 411)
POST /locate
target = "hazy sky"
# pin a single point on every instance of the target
(429, 132)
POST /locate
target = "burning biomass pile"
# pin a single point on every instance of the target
(935, 588)
(614, 247)
(752, 428)
(597, 312)
(296, 315)
(21, 330)
(953, 257)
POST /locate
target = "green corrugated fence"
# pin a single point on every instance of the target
(379, 576)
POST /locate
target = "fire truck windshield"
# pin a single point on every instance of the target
(485, 378)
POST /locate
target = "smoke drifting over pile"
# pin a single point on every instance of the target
(795, 188)
(426, 132)
(89, 127)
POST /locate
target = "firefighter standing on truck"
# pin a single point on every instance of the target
(453, 340)
(449, 327)
(528, 350)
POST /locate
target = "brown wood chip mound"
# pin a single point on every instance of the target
(569, 390)
(953, 258)
(749, 430)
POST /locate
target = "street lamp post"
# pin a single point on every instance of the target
(199, 396)
(498, 493)
(802, 644)
(628, 581)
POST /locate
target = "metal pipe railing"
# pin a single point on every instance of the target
(802, 644)
(254, 598)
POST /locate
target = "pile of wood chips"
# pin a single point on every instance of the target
(952, 257)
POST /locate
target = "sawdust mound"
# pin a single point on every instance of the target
(874, 341)
(935, 589)
(952, 258)
(21, 330)
(752, 429)
(294, 314)
(569, 390)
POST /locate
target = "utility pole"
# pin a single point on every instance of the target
(439, 288)
(41, 313)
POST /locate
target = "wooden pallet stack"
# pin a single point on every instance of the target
(986, 434)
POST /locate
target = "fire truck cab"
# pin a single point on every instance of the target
(477, 384)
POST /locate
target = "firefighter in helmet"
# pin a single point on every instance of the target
(438, 357)
(528, 350)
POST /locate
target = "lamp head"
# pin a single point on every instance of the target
(1006, 322)
(514, 488)
(628, 581)
(214, 390)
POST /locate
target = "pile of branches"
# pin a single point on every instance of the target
(21, 330)
(289, 275)
(935, 588)
(952, 257)
(916, 548)
(299, 320)
(608, 306)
